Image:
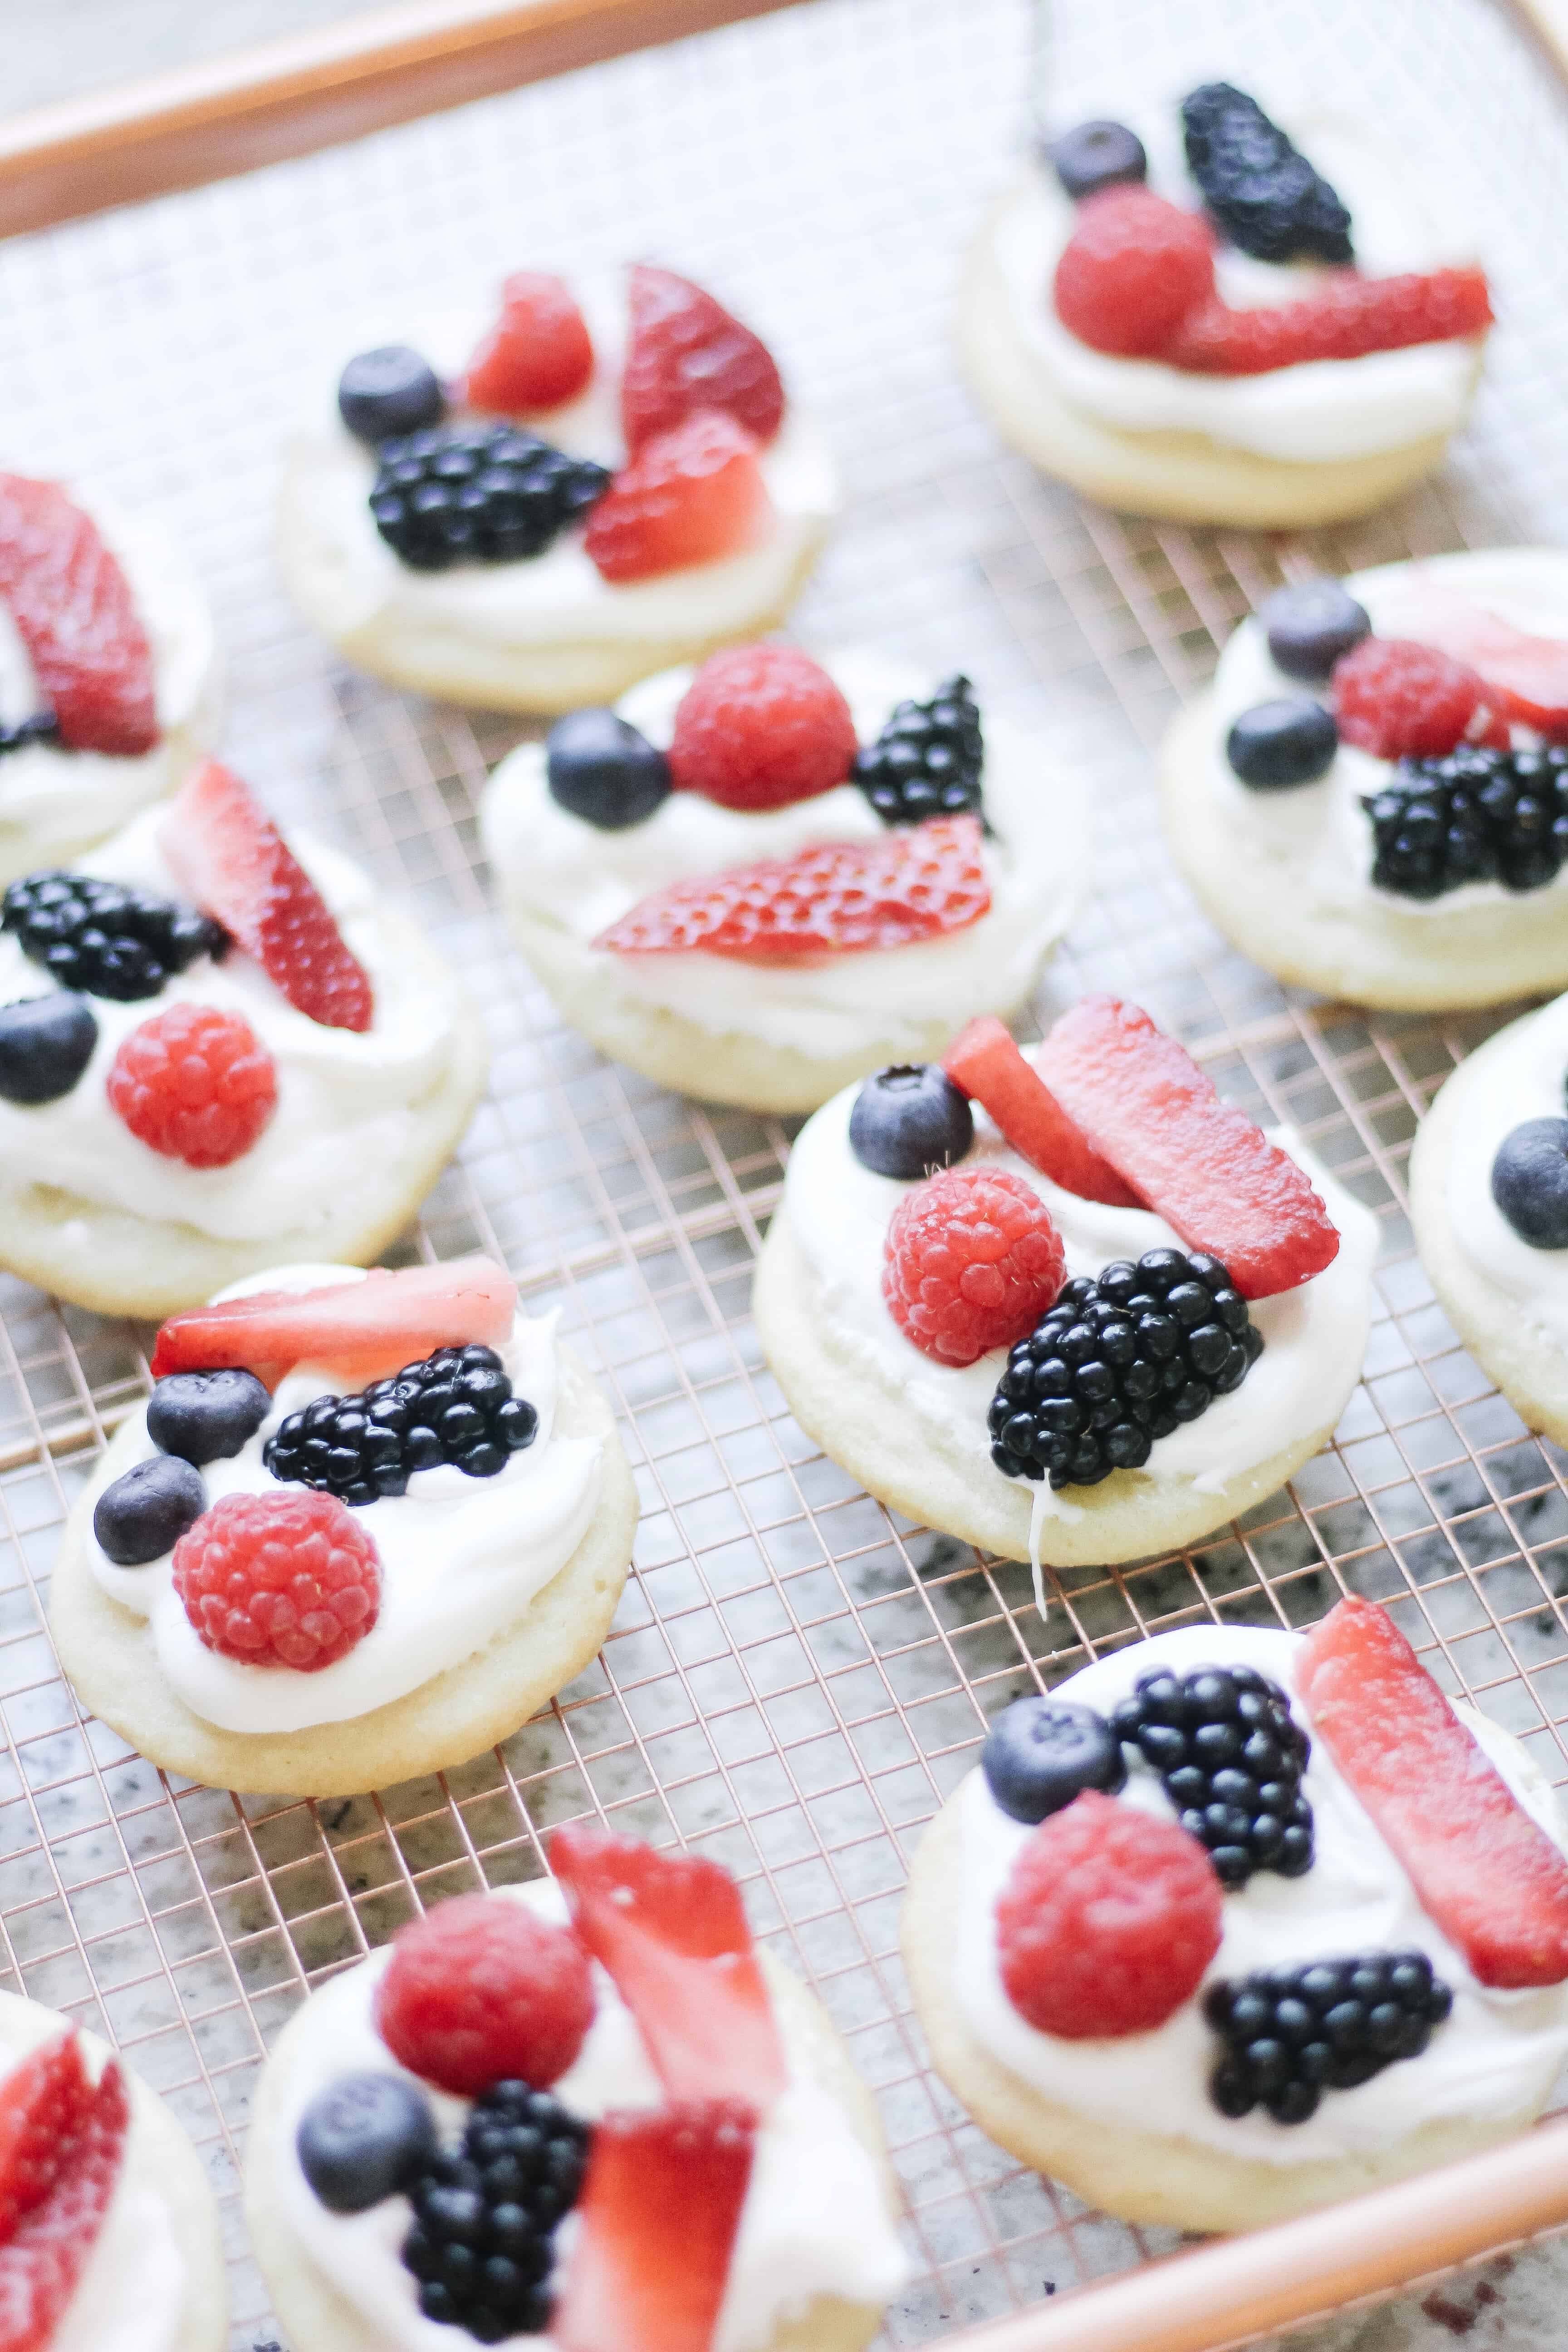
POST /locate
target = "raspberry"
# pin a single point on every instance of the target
(74, 612)
(1131, 270)
(760, 726)
(685, 352)
(479, 1991)
(839, 899)
(1347, 318)
(538, 353)
(1106, 1922)
(1402, 700)
(195, 1083)
(688, 496)
(972, 1261)
(279, 1580)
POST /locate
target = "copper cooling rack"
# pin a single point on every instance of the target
(795, 1680)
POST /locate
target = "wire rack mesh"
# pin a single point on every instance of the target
(794, 1679)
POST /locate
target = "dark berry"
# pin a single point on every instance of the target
(455, 1406)
(601, 769)
(1279, 744)
(1291, 2034)
(1310, 623)
(1529, 1182)
(206, 1416)
(388, 392)
(1097, 156)
(1041, 1753)
(106, 938)
(364, 2137)
(490, 494)
(146, 1511)
(486, 2211)
(1471, 816)
(909, 1120)
(1258, 190)
(43, 727)
(927, 759)
(1230, 1756)
(45, 1044)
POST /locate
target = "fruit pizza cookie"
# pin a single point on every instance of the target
(527, 515)
(1260, 344)
(586, 2113)
(1064, 1302)
(761, 880)
(1240, 1921)
(109, 2231)
(216, 1055)
(109, 670)
(364, 1526)
(1372, 800)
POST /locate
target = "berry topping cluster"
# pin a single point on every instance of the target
(928, 758)
(487, 495)
(1258, 190)
(1291, 2034)
(1230, 1756)
(106, 938)
(455, 1406)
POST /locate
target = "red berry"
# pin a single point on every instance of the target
(44, 2102)
(685, 352)
(1131, 271)
(279, 1580)
(1494, 1882)
(1202, 1165)
(538, 353)
(42, 2264)
(368, 1327)
(481, 1991)
(760, 726)
(1344, 318)
(688, 496)
(195, 1083)
(1397, 700)
(916, 883)
(236, 863)
(1107, 1920)
(985, 1063)
(657, 2223)
(75, 613)
(1526, 677)
(972, 1261)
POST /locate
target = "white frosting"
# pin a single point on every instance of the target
(1317, 410)
(1319, 832)
(1314, 1336)
(566, 871)
(1495, 2057)
(348, 1104)
(1523, 1079)
(814, 2221)
(499, 1542)
(131, 2296)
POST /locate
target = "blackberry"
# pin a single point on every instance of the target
(455, 1406)
(1230, 1756)
(42, 727)
(1256, 186)
(106, 938)
(490, 494)
(928, 758)
(1119, 1362)
(1472, 815)
(1291, 2034)
(485, 2213)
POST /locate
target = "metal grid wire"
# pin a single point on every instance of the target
(795, 1680)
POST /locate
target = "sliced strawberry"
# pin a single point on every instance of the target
(1528, 675)
(367, 1328)
(1198, 1163)
(538, 353)
(1344, 318)
(40, 2266)
(671, 1930)
(685, 352)
(692, 495)
(1493, 1880)
(236, 866)
(75, 613)
(658, 2220)
(985, 1063)
(43, 2104)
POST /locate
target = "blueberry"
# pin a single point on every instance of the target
(1097, 155)
(1309, 624)
(45, 1044)
(602, 770)
(206, 1416)
(1275, 745)
(1529, 1182)
(144, 1514)
(1041, 1753)
(362, 2138)
(387, 392)
(909, 1120)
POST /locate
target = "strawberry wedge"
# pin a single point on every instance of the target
(1204, 1166)
(42, 2102)
(671, 1931)
(364, 1328)
(985, 1064)
(1493, 1880)
(1528, 674)
(42, 2261)
(656, 2221)
(75, 613)
(236, 866)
